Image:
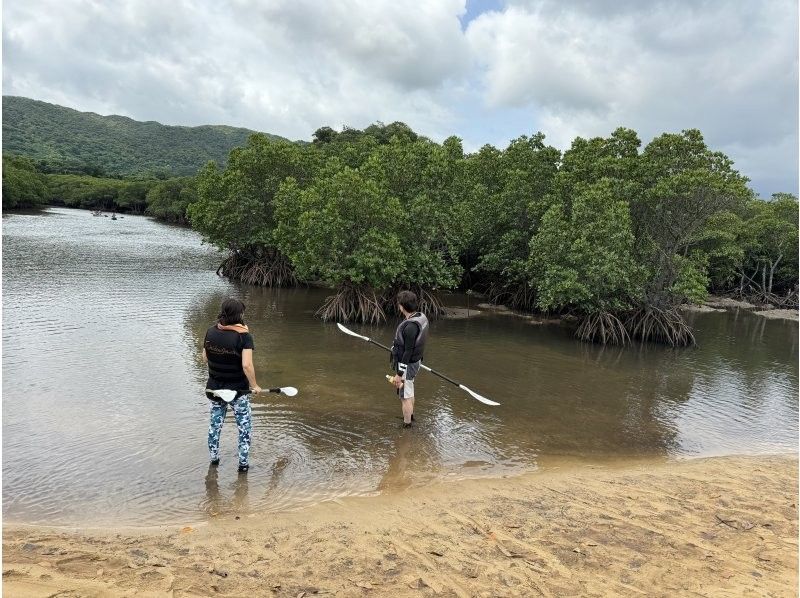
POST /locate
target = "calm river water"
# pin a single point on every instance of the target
(104, 419)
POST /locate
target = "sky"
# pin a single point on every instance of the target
(486, 71)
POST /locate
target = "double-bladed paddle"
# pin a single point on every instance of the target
(471, 392)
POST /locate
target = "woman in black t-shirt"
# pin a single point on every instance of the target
(228, 351)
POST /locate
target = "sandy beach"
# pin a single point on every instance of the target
(708, 527)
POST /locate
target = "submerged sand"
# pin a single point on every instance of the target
(711, 527)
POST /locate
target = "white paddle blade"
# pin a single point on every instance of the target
(351, 333)
(224, 394)
(289, 391)
(478, 397)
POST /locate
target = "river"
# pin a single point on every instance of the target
(105, 421)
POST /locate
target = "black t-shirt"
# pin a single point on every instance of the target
(224, 352)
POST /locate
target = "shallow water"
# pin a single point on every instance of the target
(104, 420)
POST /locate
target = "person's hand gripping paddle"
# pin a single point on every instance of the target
(229, 395)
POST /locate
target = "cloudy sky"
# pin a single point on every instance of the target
(487, 71)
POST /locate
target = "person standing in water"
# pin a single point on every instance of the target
(228, 351)
(407, 351)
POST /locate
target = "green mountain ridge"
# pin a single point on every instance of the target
(62, 139)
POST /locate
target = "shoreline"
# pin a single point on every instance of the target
(546, 465)
(714, 524)
(713, 304)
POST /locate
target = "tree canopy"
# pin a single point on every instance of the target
(617, 234)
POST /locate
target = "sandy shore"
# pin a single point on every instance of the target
(712, 527)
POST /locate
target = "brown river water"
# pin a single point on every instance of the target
(105, 421)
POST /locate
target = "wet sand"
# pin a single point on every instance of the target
(711, 527)
(779, 314)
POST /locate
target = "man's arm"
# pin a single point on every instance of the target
(205, 357)
(409, 344)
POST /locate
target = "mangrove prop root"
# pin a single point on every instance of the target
(603, 327)
(353, 303)
(266, 268)
(757, 297)
(521, 296)
(429, 302)
(660, 325)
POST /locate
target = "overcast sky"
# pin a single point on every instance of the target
(485, 71)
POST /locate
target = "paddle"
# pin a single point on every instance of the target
(472, 393)
(229, 395)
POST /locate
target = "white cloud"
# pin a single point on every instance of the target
(290, 66)
(584, 68)
(283, 67)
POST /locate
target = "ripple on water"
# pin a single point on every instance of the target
(104, 420)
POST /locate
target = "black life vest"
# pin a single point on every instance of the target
(398, 346)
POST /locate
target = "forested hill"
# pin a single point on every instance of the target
(61, 139)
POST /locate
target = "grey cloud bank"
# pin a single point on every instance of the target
(580, 68)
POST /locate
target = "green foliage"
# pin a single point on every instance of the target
(615, 158)
(81, 191)
(684, 187)
(582, 254)
(342, 228)
(133, 196)
(164, 199)
(168, 200)
(234, 207)
(508, 200)
(422, 176)
(66, 141)
(691, 279)
(769, 238)
(23, 186)
(618, 234)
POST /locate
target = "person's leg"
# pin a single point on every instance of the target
(408, 409)
(244, 423)
(407, 401)
(218, 411)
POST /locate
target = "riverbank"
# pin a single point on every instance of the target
(713, 304)
(713, 526)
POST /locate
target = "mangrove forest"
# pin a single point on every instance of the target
(614, 232)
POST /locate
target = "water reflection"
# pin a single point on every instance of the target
(397, 476)
(217, 504)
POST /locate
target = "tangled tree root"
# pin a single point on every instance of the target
(429, 303)
(757, 297)
(603, 327)
(660, 325)
(260, 267)
(521, 296)
(353, 303)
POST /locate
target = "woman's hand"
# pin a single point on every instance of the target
(255, 389)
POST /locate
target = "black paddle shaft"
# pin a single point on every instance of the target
(432, 371)
(380, 345)
(450, 380)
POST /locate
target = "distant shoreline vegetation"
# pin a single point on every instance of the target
(615, 234)
(25, 186)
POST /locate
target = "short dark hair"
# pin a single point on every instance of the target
(231, 312)
(408, 299)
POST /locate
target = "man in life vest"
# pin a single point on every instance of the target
(407, 351)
